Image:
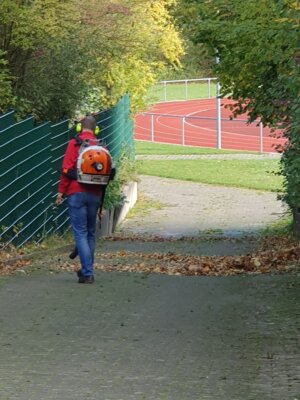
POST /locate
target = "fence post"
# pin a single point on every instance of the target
(165, 90)
(152, 128)
(183, 131)
(219, 131)
(186, 89)
(261, 144)
(209, 92)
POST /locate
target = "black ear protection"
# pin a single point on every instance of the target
(78, 129)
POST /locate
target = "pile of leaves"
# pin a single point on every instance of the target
(12, 260)
(274, 255)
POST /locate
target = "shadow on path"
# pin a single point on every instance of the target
(137, 337)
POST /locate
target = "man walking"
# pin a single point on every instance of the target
(83, 202)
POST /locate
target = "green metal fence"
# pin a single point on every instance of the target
(30, 159)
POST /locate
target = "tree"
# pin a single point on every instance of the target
(132, 42)
(35, 41)
(63, 56)
(197, 61)
(5, 84)
(256, 43)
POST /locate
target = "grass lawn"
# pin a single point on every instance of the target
(177, 91)
(250, 174)
(144, 148)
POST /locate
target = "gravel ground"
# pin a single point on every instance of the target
(191, 209)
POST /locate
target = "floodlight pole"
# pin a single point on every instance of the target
(219, 129)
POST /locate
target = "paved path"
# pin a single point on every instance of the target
(136, 337)
(150, 337)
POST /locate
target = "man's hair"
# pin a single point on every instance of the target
(89, 123)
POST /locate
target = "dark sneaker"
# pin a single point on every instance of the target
(79, 273)
(86, 279)
(74, 254)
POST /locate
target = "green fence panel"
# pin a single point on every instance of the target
(128, 128)
(104, 122)
(7, 120)
(25, 197)
(116, 128)
(60, 135)
(31, 158)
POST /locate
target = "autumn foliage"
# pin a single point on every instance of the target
(273, 255)
(62, 57)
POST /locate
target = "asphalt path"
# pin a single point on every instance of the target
(138, 337)
(135, 336)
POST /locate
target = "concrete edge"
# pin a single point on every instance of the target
(112, 218)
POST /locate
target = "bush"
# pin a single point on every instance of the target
(126, 172)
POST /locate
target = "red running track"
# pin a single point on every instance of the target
(200, 127)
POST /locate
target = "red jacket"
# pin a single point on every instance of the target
(69, 186)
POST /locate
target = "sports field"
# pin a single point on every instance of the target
(194, 123)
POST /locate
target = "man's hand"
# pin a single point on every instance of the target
(59, 199)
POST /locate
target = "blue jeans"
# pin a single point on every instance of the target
(83, 209)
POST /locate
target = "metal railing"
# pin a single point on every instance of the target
(185, 89)
(188, 130)
(216, 131)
